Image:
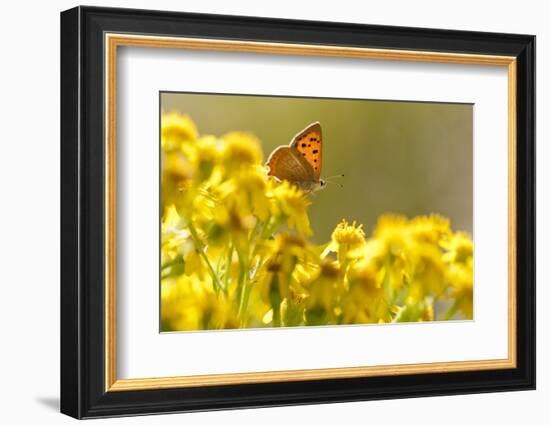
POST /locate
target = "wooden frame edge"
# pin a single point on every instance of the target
(512, 212)
(306, 375)
(110, 213)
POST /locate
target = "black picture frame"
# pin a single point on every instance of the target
(83, 392)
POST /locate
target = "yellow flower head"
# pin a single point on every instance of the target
(461, 279)
(238, 203)
(276, 279)
(365, 301)
(425, 273)
(284, 253)
(415, 311)
(366, 273)
(288, 244)
(174, 235)
(176, 169)
(324, 292)
(205, 155)
(460, 270)
(176, 129)
(351, 235)
(429, 229)
(347, 240)
(241, 150)
(459, 247)
(187, 303)
(249, 191)
(392, 231)
(291, 204)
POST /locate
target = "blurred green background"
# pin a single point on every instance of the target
(410, 158)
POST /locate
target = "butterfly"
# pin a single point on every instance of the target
(300, 162)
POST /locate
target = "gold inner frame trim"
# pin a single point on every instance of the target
(113, 41)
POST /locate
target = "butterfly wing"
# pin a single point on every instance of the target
(286, 163)
(309, 143)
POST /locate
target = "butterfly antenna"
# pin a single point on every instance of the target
(327, 179)
(340, 185)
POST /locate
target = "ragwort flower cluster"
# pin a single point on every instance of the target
(235, 251)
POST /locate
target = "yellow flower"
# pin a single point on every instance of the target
(188, 304)
(177, 167)
(275, 280)
(247, 192)
(459, 257)
(426, 274)
(174, 240)
(176, 129)
(176, 176)
(205, 156)
(352, 236)
(413, 258)
(290, 204)
(365, 301)
(292, 308)
(418, 311)
(179, 310)
(430, 229)
(461, 279)
(392, 231)
(459, 247)
(346, 240)
(241, 150)
(324, 292)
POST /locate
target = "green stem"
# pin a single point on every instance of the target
(452, 311)
(243, 263)
(177, 260)
(228, 266)
(218, 266)
(243, 304)
(271, 226)
(245, 288)
(200, 248)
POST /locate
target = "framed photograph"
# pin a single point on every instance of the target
(261, 212)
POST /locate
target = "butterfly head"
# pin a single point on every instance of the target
(311, 186)
(321, 184)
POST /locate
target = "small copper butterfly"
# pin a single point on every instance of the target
(300, 162)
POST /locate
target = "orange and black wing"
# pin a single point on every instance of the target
(286, 163)
(309, 143)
